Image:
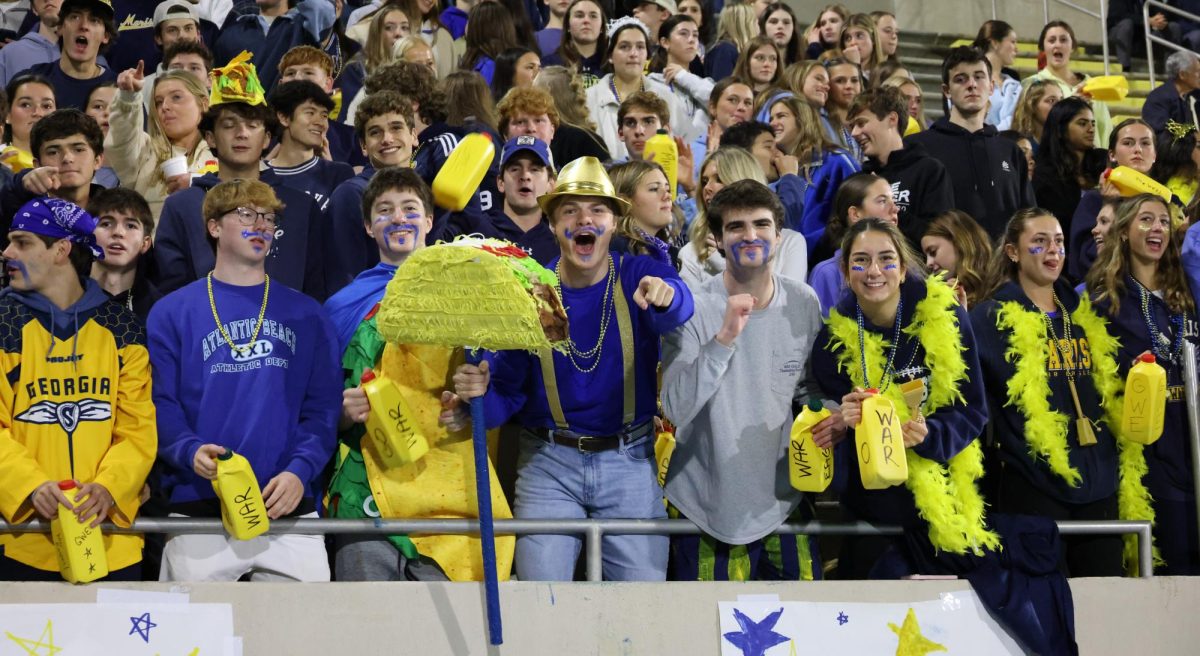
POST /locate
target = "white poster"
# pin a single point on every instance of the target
(956, 624)
(128, 629)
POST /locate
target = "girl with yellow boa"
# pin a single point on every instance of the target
(1041, 346)
(896, 330)
(1139, 285)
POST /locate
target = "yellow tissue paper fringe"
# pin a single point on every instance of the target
(451, 295)
(946, 496)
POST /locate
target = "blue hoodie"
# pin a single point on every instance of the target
(951, 428)
(278, 407)
(1096, 464)
(182, 252)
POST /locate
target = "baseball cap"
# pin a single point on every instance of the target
(101, 7)
(526, 143)
(166, 11)
(669, 5)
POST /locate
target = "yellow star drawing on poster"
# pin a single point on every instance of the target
(45, 641)
(912, 643)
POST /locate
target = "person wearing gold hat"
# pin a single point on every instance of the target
(587, 445)
(237, 127)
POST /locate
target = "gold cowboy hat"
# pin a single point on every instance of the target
(584, 176)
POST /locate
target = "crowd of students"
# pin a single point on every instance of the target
(197, 239)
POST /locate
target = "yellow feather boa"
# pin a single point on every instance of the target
(1046, 429)
(945, 495)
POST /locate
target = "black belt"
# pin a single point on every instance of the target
(592, 443)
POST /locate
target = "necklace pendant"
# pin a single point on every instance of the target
(240, 350)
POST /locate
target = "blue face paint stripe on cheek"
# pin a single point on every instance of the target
(891, 267)
(19, 266)
(857, 267)
(1036, 250)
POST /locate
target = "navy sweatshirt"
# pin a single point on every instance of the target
(434, 145)
(317, 177)
(350, 250)
(68, 91)
(539, 240)
(182, 253)
(278, 407)
(920, 187)
(1096, 464)
(989, 175)
(1170, 458)
(951, 428)
(306, 24)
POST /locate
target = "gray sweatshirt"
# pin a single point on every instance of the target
(733, 409)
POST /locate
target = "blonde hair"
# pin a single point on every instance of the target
(897, 83)
(401, 47)
(1025, 115)
(565, 87)
(376, 53)
(626, 177)
(732, 164)
(864, 21)
(738, 24)
(1106, 279)
(811, 140)
(159, 143)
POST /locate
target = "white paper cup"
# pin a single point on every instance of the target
(177, 165)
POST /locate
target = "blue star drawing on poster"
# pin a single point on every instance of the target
(142, 626)
(755, 638)
(842, 618)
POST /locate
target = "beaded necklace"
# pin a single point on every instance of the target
(612, 84)
(262, 311)
(605, 305)
(885, 378)
(1171, 352)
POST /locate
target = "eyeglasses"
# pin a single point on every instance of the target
(249, 217)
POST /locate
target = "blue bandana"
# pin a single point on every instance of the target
(60, 219)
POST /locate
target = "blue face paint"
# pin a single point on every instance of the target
(1037, 250)
(742, 253)
(265, 235)
(857, 267)
(1061, 251)
(19, 266)
(410, 229)
(891, 267)
(586, 230)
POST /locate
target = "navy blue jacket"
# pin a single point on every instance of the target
(182, 252)
(350, 250)
(1165, 103)
(1170, 458)
(434, 145)
(1097, 464)
(951, 428)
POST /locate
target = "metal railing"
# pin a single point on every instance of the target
(1150, 38)
(1099, 15)
(593, 530)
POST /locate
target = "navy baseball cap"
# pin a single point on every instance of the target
(530, 144)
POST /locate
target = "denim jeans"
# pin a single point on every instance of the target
(561, 482)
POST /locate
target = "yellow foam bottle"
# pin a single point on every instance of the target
(880, 444)
(662, 150)
(243, 511)
(1109, 88)
(390, 422)
(664, 447)
(810, 468)
(1130, 182)
(460, 176)
(79, 546)
(1145, 401)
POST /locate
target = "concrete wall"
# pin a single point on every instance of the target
(1117, 617)
(965, 16)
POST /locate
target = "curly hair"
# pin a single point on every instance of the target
(415, 81)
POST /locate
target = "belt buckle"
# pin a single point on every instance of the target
(580, 441)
